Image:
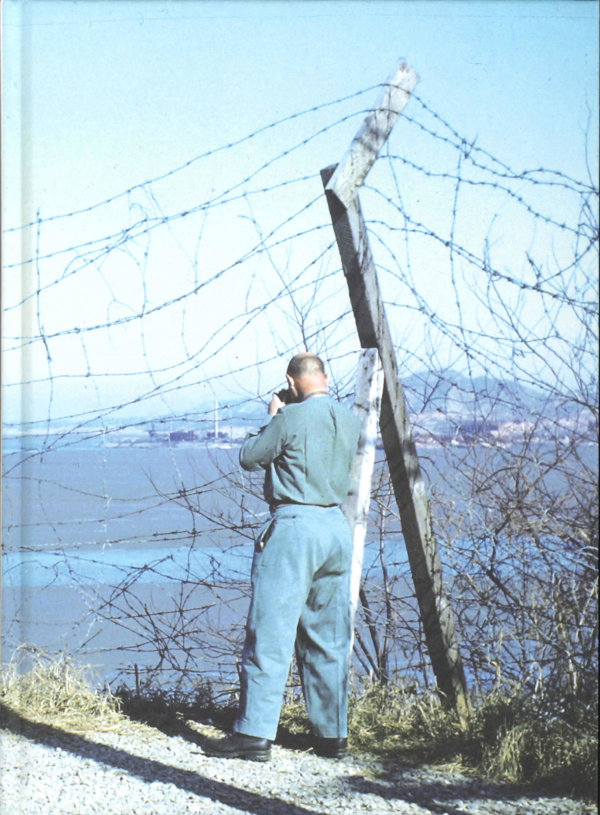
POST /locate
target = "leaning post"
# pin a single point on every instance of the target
(409, 487)
(372, 134)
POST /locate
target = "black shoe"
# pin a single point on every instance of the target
(238, 745)
(330, 748)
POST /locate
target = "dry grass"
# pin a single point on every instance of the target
(513, 741)
(51, 690)
(508, 740)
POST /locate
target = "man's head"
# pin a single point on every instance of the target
(306, 374)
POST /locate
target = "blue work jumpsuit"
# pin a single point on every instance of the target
(301, 568)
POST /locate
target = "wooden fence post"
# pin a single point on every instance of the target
(371, 136)
(367, 403)
(405, 474)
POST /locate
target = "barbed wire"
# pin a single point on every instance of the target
(174, 312)
(468, 147)
(206, 154)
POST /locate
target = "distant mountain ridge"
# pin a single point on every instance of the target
(432, 397)
(483, 397)
(444, 392)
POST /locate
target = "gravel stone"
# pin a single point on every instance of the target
(143, 771)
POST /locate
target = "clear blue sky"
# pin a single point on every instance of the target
(101, 95)
(111, 93)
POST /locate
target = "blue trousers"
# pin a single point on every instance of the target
(301, 598)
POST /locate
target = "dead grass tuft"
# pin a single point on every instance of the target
(52, 690)
(508, 740)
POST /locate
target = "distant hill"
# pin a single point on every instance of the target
(432, 397)
(448, 393)
(453, 394)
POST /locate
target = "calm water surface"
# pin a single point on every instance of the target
(84, 522)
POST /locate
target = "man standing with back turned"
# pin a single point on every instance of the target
(301, 568)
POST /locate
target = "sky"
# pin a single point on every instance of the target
(112, 92)
(101, 95)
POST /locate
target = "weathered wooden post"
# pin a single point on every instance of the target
(367, 404)
(372, 135)
(341, 184)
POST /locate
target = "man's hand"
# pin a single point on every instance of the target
(274, 405)
(293, 396)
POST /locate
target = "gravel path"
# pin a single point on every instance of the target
(142, 771)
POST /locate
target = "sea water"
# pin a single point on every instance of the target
(95, 534)
(100, 541)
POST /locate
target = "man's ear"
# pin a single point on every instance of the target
(293, 388)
